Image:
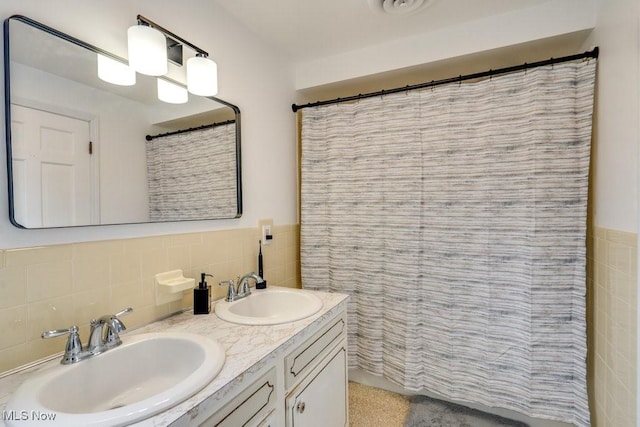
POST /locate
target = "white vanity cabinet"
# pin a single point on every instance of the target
(316, 379)
(300, 384)
(252, 407)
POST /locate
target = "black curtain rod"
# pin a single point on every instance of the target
(212, 125)
(589, 54)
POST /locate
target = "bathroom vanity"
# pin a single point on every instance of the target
(290, 374)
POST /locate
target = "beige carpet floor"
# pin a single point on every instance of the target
(373, 407)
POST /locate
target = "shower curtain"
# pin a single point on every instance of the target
(455, 217)
(191, 175)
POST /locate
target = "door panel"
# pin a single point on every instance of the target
(322, 402)
(54, 179)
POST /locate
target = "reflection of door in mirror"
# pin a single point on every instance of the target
(52, 168)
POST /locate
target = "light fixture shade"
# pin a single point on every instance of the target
(171, 93)
(202, 76)
(115, 72)
(147, 50)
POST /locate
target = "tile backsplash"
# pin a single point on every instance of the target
(612, 276)
(53, 287)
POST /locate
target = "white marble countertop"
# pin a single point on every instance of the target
(247, 348)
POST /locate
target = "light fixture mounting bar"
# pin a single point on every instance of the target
(143, 20)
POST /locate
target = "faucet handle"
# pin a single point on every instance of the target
(59, 332)
(116, 323)
(231, 293)
(74, 346)
(114, 326)
(124, 312)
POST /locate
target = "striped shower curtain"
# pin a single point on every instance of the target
(455, 217)
(192, 175)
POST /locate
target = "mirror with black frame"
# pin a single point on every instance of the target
(82, 151)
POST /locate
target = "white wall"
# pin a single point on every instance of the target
(250, 76)
(617, 138)
(548, 19)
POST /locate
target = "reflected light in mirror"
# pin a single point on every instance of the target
(202, 76)
(147, 50)
(115, 72)
(171, 92)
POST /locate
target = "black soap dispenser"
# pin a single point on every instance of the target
(202, 296)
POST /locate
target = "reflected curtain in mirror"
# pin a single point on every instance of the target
(188, 174)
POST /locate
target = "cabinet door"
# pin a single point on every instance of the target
(321, 399)
(250, 408)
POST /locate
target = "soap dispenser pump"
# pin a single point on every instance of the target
(202, 296)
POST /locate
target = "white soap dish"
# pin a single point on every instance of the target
(170, 286)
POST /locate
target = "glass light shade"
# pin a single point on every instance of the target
(171, 93)
(147, 50)
(202, 76)
(115, 72)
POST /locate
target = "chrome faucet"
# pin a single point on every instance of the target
(104, 335)
(243, 284)
(242, 289)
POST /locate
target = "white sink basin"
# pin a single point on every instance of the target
(147, 374)
(269, 306)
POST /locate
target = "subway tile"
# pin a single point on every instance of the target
(153, 261)
(622, 237)
(615, 271)
(179, 258)
(202, 254)
(145, 244)
(38, 349)
(92, 250)
(183, 239)
(91, 304)
(13, 326)
(619, 257)
(128, 294)
(48, 280)
(125, 268)
(92, 272)
(55, 313)
(10, 358)
(30, 256)
(13, 286)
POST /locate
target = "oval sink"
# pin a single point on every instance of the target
(269, 306)
(147, 374)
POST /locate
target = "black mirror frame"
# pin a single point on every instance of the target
(80, 43)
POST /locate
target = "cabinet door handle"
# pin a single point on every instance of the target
(300, 407)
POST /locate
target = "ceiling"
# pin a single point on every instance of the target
(310, 29)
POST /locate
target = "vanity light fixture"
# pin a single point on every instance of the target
(147, 50)
(149, 43)
(171, 92)
(115, 72)
(202, 75)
